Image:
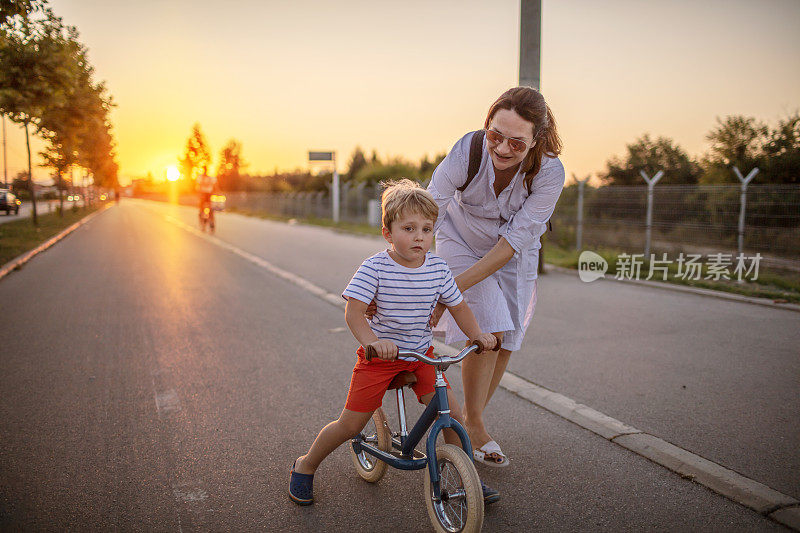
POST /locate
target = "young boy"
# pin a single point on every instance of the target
(406, 282)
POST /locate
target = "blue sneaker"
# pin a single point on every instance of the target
(301, 487)
(489, 494)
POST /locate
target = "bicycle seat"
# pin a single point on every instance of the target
(402, 379)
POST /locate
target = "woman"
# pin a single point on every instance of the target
(489, 235)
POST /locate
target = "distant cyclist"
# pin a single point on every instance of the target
(206, 186)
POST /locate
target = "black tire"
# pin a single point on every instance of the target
(369, 467)
(461, 506)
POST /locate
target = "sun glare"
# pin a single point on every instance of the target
(172, 173)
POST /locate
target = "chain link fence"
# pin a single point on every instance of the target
(696, 219)
(354, 207)
(702, 219)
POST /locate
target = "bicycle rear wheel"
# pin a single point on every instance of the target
(377, 433)
(460, 508)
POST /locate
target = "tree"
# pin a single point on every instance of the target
(9, 9)
(650, 156)
(96, 151)
(35, 74)
(396, 168)
(427, 166)
(736, 141)
(20, 183)
(196, 156)
(74, 126)
(230, 165)
(782, 151)
(357, 162)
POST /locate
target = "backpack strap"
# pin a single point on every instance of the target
(475, 157)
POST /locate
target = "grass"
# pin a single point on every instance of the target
(19, 236)
(774, 286)
(779, 287)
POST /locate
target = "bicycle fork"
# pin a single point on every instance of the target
(444, 420)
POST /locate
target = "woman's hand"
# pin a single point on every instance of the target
(372, 308)
(437, 313)
(489, 341)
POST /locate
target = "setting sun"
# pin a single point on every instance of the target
(172, 173)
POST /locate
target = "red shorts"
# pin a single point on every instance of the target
(371, 380)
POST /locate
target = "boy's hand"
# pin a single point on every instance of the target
(437, 313)
(385, 349)
(489, 341)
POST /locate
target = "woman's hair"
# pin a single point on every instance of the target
(406, 195)
(529, 104)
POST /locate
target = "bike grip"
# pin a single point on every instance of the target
(370, 352)
(481, 347)
(498, 344)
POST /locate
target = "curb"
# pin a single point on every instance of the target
(766, 302)
(766, 501)
(730, 484)
(19, 261)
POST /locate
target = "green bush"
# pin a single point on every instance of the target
(374, 173)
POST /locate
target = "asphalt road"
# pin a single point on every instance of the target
(716, 377)
(154, 380)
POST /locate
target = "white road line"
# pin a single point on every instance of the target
(189, 495)
(745, 491)
(191, 508)
(167, 401)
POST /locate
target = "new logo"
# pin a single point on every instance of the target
(591, 266)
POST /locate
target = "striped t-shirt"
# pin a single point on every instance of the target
(405, 297)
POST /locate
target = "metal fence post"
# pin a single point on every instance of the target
(361, 200)
(651, 182)
(335, 191)
(579, 228)
(345, 201)
(743, 201)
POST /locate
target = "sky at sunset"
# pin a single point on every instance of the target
(409, 78)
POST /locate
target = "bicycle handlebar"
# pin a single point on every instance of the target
(476, 346)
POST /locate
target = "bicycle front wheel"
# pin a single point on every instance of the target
(460, 508)
(377, 433)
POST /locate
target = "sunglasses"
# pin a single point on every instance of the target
(516, 145)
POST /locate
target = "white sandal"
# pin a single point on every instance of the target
(488, 449)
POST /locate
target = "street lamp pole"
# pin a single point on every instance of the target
(5, 151)
(530, 52)
(330, 156)
(530, 43)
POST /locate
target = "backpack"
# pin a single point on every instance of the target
(475, 158)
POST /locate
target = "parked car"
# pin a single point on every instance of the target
(9, 202)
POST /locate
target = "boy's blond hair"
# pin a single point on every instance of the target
(406, 195)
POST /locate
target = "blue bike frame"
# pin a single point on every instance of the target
(437, 417)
